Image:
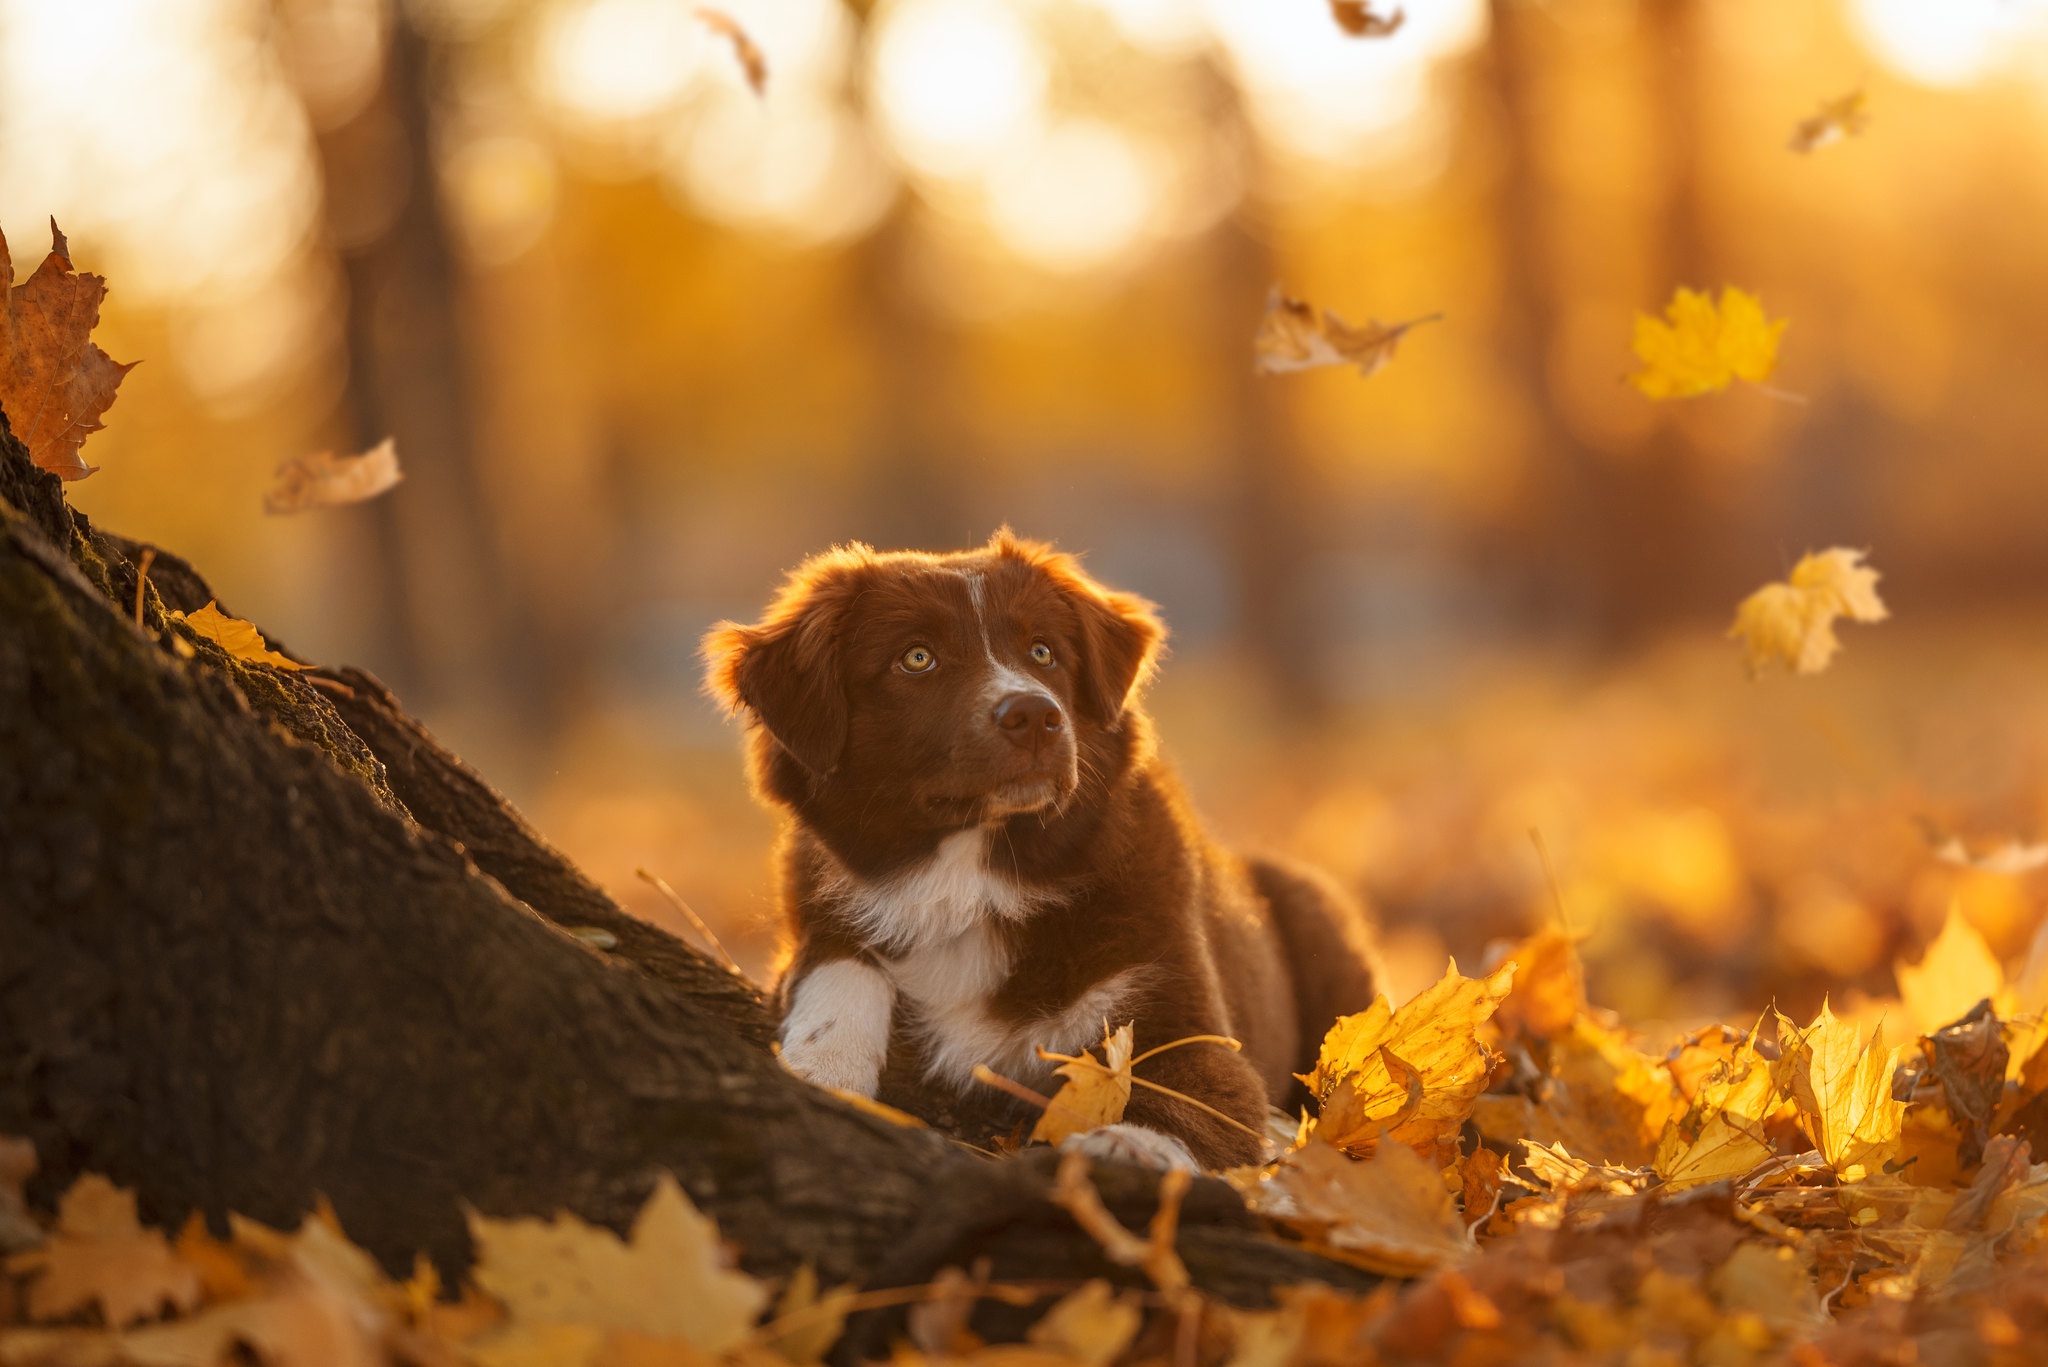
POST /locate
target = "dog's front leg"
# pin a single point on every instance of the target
(836, 1030)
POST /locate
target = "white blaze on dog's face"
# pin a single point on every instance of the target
(937, 692)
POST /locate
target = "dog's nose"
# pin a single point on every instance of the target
(1028, 719)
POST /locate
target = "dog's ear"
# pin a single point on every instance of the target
(1121, 633)
(785, 669)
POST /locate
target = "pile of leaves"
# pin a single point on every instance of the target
(1536, 1186)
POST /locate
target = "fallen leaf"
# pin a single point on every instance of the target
(1561, 1171)
(1296, 336)
(1794, 622)
(668, 1280)
(1095, 1091)
(1843, 1089)
(99, 1253)
(325, 480)
(1968, 1059)
(1771, 1284)
(1092, 1326)
(753, 61)
(1845, 116)
(54, 382)
(807, 1323)
(1371, 1063)
(1550, 985)
(1697, 349)
(1390, 1212)
(1356, 18)
(1722, 1135)
(238, 638)
(1957, 971)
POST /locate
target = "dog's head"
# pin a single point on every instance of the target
(944, 690)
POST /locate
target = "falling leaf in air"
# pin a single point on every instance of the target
(668, 1280)
(1294, 335)
(325, 480)
(1794, 622)
(1842, 1086)
(1095, 1091)
(100, 1253)
(1390, 1212)
(1845, 116)
(238, 638)
(54, 382)
(1414, 1073)
(1356, 18)
(1091, 1326)
(752, 60)
(2011, 858)
(1698, 349)
(1957, 971)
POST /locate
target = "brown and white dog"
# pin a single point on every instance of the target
(985, 852)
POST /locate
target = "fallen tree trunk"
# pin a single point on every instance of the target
(261, 938)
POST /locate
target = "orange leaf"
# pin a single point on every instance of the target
(54, 383)
(99, 1253)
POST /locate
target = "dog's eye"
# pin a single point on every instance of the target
(917, 660)
(1041, 653)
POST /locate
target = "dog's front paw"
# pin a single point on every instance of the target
(837, 1030)
(1132, 1144)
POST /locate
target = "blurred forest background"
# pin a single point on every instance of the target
(645, 340)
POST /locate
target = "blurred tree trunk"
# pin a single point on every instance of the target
(438, 579)
(1623, 537)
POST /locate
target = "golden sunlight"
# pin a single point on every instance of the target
(955, 81)
(1952, 43)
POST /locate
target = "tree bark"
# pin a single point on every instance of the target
(262, 939)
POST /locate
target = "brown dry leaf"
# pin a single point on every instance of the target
(1095, 1091)
(238, 638)
(1433, 1038)
(1550, 985)
(1390, 1212)
(1843, 1089)
(325, 480)
(1356, 18)
(1957, 971)
(669, 1280)
(1845, 116)
(100, 1254)
(1770, 1284)
(54, 382)
(1091, 1326)
(753, 61)
(1794, 622)
(1968, 1059)
(1558, 1169)
(1296, 336)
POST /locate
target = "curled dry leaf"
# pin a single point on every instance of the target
(1390, 1212)
(238, 638)
(1356, 17)
(753, 61)
(1095, 1092)
(669, 1279)
(1845, 116)
(54, 382)
(1370, 1064)
(99, 1254)
(325, 480)
(1698, 349)
(1794, 622)
(1294, 335)
(1721, 1136)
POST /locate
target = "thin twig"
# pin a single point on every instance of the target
(142, 565)
(1564, 919)
(1074, 1193)
(731, 964)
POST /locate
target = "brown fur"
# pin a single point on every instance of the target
(875, 766)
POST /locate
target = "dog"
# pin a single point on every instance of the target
(984, 853)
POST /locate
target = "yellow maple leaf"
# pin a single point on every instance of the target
(1357, 18)
(325, 480)
(1957, 971)
(54, 381)
(1697, 349)
(1794, 622)
(100, 1254)
(1722, 1134)
(1390, 1212)
(1091, 1326)
(1550, 985)
(1095, 1091)
(668, 1280)
(1294, 335)
(1842, 117)
(1842, 1087)
(1414, 1072)
(238, 638)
